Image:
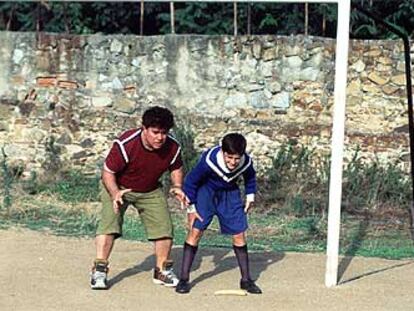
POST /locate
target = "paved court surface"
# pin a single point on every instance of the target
(39, 271)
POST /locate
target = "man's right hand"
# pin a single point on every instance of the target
(117, 199)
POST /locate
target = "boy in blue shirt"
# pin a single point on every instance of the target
(211, 189)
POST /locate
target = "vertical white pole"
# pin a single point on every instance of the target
(172, 21)
(338, 128)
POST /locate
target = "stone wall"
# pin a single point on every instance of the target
(64, 98)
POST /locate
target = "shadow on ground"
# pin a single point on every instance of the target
(223, 259)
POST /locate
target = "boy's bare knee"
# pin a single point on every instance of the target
(239, 239)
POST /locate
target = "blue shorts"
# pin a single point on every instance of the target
(226, 204)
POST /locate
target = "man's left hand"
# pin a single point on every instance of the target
(180, 196)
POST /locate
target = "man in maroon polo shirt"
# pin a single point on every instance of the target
(131, 176)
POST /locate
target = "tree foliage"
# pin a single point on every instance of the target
(210, 18)
(194, 17)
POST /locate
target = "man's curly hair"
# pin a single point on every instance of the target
(158, 117)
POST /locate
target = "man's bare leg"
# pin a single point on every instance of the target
(104, 244)
(162, 251)
(163, 273)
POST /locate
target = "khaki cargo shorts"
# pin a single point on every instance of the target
(151, 206)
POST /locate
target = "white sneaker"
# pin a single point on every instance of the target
(99, 276)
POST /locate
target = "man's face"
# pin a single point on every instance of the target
(154, 137)
(231, 160)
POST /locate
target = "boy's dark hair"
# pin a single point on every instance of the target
(158, 117)
(234, 143)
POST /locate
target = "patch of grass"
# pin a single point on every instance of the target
(267, 233)
(74, 187)
(60, 219)
(364, 237)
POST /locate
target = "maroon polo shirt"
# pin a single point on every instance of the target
(138, 168)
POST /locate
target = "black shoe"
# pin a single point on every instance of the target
(183, 287)
(250, 287)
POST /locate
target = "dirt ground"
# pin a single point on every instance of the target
(39, 271)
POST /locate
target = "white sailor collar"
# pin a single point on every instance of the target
(215, 160)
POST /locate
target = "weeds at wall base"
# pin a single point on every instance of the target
(7, 180)
(279, 233)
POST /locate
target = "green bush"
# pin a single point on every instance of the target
(7, 180)
(298, 183)
(185, 136)
(372, 185)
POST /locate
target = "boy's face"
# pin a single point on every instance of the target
(154, 137)
(231, 160)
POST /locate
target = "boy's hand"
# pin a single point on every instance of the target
(117, 199)
(248, 206)
(192, 215)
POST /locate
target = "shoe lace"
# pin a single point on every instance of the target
(99, 275)
(169, 273)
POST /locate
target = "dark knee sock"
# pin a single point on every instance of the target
(243, 261)
(188, 257)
